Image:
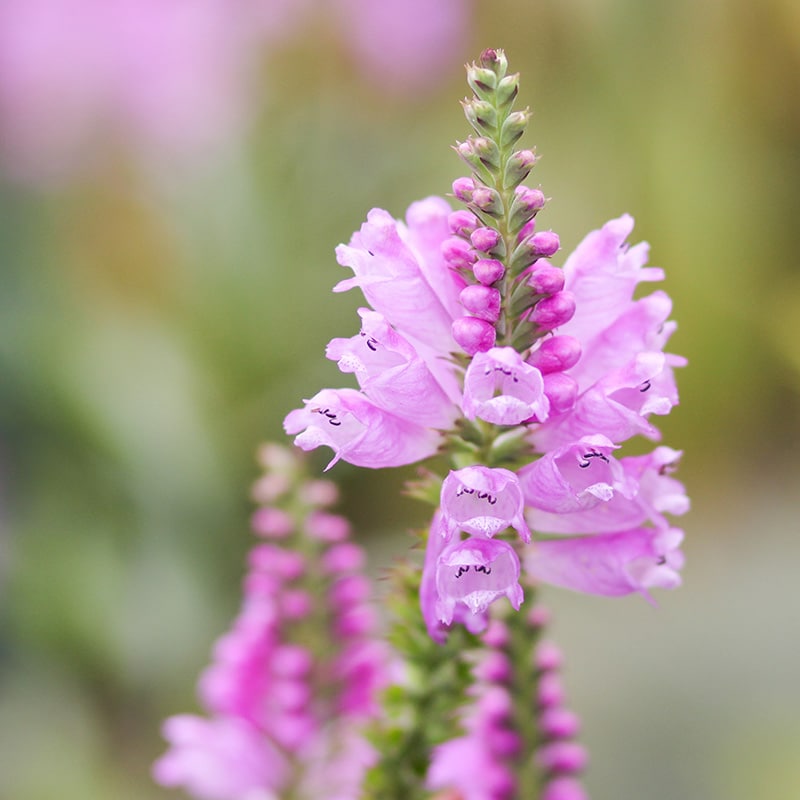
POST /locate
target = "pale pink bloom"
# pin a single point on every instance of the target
(224, 758)
(475, 572)
(359, 431)
(483, 502)
(499, 387)
(618, 405)
(656, 494)
(403, 276)
(576, 477)
(610, 564)
(391, 373)
(429, 595)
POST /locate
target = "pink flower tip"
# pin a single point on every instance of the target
(488, 271)
(482, 301)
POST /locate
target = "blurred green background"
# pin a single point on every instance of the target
(157, 324)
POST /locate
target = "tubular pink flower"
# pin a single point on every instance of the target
(610, 564)
(403, 274)
(499, 387)
(476, 572)
(656, 494)
(576, 477)
(482, 502)
(391, 373)
(219, 759)
(359, 431)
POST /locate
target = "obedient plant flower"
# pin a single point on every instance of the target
(295, 680)
(526, 380)
(482, 501)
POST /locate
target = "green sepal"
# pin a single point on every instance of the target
(507, 90)
(513, 127)
(511, 448)
(482, 116)
(524, 335)
(426, 488)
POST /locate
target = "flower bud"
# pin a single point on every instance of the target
(546, 279)
(553, 311)
(513, 127)
(562, 757)
(481, 115)
(271, 523)
(482, 301)
(556, 354)
(488, 270)
(481, 80)
(545, 243)
(518, 167)
(474, 335)
(527, 203)
(495, 60)
(463, 189)
(564, 788)
(507, 90)
(458, 253)
(561, 390)
(485, 239)
(462, 222)
(527, 230)
(559, 723)
(488, 200)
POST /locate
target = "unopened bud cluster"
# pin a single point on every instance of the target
(513, 295)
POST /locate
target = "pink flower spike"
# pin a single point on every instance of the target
(482, 301)
(359, 431)
(475, 572)
(488, 271)
(482, 502)
(499, 387)
(474, 335)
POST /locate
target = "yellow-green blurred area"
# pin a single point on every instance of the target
(156, 325)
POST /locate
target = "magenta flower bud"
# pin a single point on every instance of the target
(550, 692)
(327, 527)
(462, 222)
(564, 788)
(273, 560)
(504, 743)
(290, 661)
(546, 279)
(561, 390)
(458, 253)
(485, 239)
(546, 243)
(271, 523)
(562, 757)
(532, 199)
(528, 229)
(296, 604)
(487, 200)
(495, 705)
(474, 335)
(270, 487)
(559, 723)
(548, 656)
(319, 493)
(482, 301)
(494, 668)
(488, 271)
(482, 501)
(344, 557)
(518, 165)
(556, 354)
(496, 635)
(553, 311)
(539, 616)
(350, 590)
(463, 189)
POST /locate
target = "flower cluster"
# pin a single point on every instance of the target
(529, 376)
(294, 681)
(490, 760)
